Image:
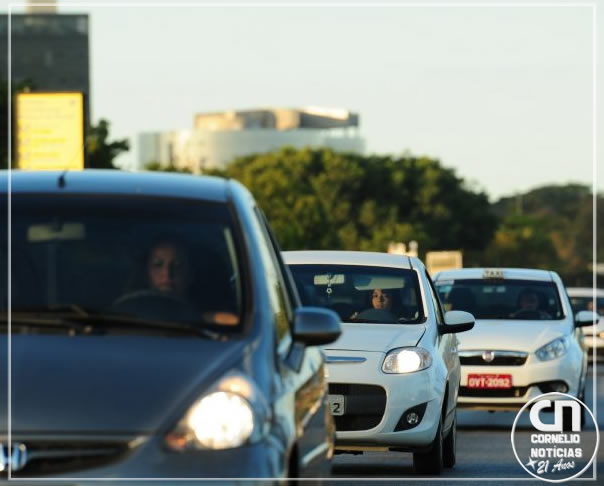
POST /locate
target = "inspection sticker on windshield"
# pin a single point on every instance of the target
(489, 381)
(337, 404)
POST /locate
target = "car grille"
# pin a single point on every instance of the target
(45, 458)
(492, 358)
(514, 392)
(365, 406)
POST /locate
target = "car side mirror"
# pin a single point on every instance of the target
(316, 325)
(457, 321)
(586, 318)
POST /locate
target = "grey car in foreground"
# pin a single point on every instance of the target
(154, 333)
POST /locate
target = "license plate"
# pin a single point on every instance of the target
(337, 403)
(490, 381)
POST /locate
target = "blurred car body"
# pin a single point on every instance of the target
(582, 298)
(514, 354)
(394, 373)
(111, 381)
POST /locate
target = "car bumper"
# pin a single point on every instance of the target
(594, 340)
(150, 460)
(528, 381)
(402, 392)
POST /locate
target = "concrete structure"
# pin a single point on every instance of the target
(217, 138)
(49, 49)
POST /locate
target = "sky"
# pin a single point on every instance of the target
(501, 92)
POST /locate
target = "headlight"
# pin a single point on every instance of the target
(553, 350)
(232, 414)
(406, 360)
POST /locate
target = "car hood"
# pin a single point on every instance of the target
(109, 384)
(377, 337)
(511, 335)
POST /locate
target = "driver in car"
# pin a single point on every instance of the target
(380, 300)
(528, 306)
(168, 268)
(160, 288)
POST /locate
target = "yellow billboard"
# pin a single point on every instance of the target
(50, 131)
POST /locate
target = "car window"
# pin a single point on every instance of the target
(149, 258)
(435, 301)
(502, 299)
(586, 303)
(280, 302)
(361, 293)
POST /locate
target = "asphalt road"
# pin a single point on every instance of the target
(484, 452)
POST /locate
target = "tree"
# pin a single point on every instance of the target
(321, 199)
(101, 152)
(549, 227)
(157, 167)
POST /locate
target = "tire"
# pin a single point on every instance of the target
(431, 462)
(450, 445)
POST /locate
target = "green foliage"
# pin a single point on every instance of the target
(321, 199)
(157, 167)
(101, 152)
(522, 241)
(549, 227)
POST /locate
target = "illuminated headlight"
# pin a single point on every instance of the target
(553, 350)
(220, 420)
(406, 360)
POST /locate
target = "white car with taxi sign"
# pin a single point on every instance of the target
(526, 340)
(394, 373)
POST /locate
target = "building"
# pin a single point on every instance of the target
(217, 138)
(49, 49)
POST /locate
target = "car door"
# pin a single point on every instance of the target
(301, 369)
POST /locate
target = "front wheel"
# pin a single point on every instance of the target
(450, 444)
(431, 462)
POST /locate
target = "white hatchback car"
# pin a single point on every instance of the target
(394, 372)
(581, 298)
(526, 341)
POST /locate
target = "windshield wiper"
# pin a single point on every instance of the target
(85, 321)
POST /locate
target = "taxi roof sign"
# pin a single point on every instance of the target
(50, 130)
(494, 273)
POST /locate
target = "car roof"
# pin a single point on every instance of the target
(95, 181)
(584, 292)
(508, 273)
(361, 258)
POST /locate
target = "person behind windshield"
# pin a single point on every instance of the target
(380, 300)
(168, 268)
(528, 306)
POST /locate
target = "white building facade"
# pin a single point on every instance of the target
(218, 138)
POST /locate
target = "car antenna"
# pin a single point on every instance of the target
(61, 181)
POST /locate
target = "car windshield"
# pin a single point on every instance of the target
(587, 303)
(361, 294)
(145, 259)
(502, 299)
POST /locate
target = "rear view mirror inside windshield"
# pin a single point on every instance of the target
(50, 232)
(329, 279)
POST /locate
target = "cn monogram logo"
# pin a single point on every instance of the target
(557, 426)
(17, 458)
